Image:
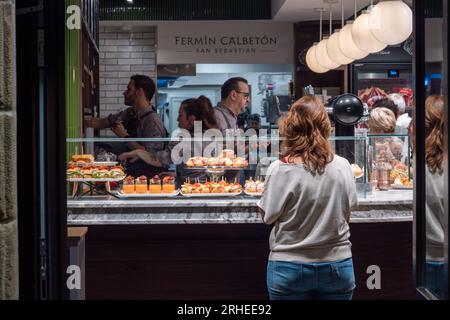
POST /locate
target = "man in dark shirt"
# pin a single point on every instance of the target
(140, 120)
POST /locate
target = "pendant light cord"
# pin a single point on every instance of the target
(321, 17)
(331, 19)
(342, 14)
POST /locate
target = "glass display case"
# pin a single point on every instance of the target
(389, 162)
(379, 162)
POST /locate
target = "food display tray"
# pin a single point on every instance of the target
(122, 195)
(253, 194)
(210, 195)
(396, 186)
(216, 167)
(95, 180)
(98, 164)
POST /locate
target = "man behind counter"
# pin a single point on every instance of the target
(140, 120)
(235, 96)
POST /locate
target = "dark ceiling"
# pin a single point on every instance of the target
(185, 10)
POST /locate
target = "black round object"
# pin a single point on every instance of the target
(348, 109)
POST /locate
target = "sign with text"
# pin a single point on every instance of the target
(229, 42)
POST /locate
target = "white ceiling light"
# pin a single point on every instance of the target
(333, 50)
(348, 46)
(362, 36)
(321, 51)
(391, 22)
(311, 60)
(322, 56)
(311, 55)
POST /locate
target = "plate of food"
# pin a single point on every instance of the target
(226, 160)
(211, 189)
(123, 195)
(96, 179)
(141, 187)
(357, 171)
(210, 195)
(402, 183)
(95, 174)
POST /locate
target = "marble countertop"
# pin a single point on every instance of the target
(391, 206)
(380, 198)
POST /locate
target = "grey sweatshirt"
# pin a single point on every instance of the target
(435, 219)
(309, 212)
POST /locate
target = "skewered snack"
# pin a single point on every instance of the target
(128, 185)
(168, 184)
(154, 185)
(141, 184)
(116, 172)
(254, 186)
(227, 153)
(236, 162)
(73, 172)
(211, 187)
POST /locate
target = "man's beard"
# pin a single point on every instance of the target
(129, 102)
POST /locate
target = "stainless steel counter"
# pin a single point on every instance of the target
(382, 206)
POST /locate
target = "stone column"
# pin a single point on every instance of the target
(9, 286)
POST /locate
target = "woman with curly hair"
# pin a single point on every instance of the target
(434, 204)
(308, 196)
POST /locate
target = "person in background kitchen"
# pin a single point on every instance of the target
(308, 196)
(191, 110)
(386, 103)
(235, 96)
(140, 120)
(382, 122)
(403, 119)
(403, 122)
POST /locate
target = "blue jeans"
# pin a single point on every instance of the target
(434, 278)
(311, 281)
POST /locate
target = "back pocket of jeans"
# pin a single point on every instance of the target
(287, 276)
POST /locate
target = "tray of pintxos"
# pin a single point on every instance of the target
(227, 160)
(95, 174)
(210, 189)
(402, 184)
(254, 188)
(153, 188)
(88, 160)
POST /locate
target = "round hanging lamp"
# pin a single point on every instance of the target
(334, 52)
(363, 37)
(391, 22)
(312, 62)
(322, 56)
(348, 46)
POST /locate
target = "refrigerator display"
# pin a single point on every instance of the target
(371, 82)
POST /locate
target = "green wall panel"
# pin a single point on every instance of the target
(73, 83)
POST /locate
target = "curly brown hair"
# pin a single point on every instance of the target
(305, 132)
(434, 133)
